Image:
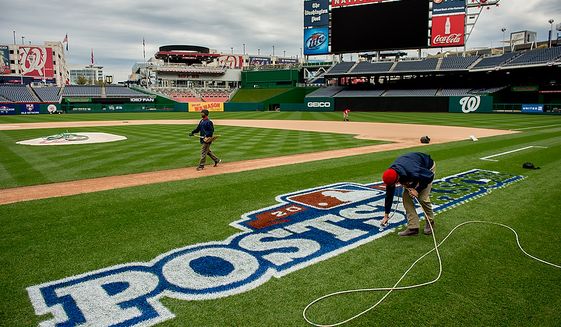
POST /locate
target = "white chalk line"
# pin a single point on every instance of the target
(536, 127)
(488, 158)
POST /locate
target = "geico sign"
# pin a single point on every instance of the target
(319, 104)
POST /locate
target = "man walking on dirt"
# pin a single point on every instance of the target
(415, 172)
(206, 130)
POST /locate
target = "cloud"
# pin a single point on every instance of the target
(115, 29)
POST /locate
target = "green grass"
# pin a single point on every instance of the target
(486, 280)
(148, 148)
(502, 121)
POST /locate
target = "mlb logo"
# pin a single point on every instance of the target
(334, 197)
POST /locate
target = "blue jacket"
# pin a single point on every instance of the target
(205, 127)
(414, 170)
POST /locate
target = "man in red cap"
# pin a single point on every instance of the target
(415, 172)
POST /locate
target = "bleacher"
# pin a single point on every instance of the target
(340, 68)
(178, 94)
(426, 65)
(488, 90)
(121, 91)
(18, 93)
(215, 95)
(359, 93)
(454, 92)
(457, 63)
(325, 92)
(48, 93)
(411, 93)
(494, 61)
(81, 91)
(372, 67)
(536, 57)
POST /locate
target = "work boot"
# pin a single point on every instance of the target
(409, 232)
(428, 230)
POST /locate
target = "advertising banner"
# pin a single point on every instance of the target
(316, 40)
(448, 7)
(348, 3)
(30, 109)
(232, 62)
(286, 61)
(210, 106)
(319, 104)
(36, 62)
(257, 61)
(469, 104)
(8, 109)
(448, 31)
(532, 108)
(316, 13)
(4, 60)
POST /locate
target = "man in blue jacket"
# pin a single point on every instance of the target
(415, 172)
(206, 130)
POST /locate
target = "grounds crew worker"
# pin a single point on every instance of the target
(206, 129)
(415, 172)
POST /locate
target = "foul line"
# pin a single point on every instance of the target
(536, 127)
(521, 149)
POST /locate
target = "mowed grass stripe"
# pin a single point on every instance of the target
(148, 148)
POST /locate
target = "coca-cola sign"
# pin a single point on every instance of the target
(447, 39)
(448, 31)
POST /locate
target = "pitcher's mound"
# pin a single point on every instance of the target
(74, 138)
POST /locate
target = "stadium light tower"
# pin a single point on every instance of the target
(550, 31)
(503, 30)
(244, 49)
(273, 50)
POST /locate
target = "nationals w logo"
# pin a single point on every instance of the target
(303, 228)
(470, 104)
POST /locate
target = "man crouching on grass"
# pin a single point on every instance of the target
(206, 129)
(415, 172)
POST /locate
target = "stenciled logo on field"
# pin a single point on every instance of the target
(470, 104)
(305, 227)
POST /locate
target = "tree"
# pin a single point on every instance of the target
(82, 80)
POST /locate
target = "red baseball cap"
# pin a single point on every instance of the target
(390, 177)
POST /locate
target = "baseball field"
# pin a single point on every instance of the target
(179, 251)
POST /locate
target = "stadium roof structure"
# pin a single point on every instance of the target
(185, 54)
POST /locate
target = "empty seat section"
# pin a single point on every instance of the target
(411, 93)
(17, 93)
(538, 56)
(417, 65)
(457, 63)
(48, 93)
(372, 67)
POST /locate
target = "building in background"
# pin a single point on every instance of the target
(39, 64)
(86, 75)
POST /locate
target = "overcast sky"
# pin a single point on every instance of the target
(115, 28)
